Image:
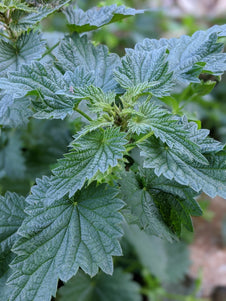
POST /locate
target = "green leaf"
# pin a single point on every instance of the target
(96, 151)
(14, 112)
(79, 52)
(172, 163)
(154, 183)
(186, 53)
(12, 214)
(27, 48)
(146, 67)
(200, 137)
(143, 208)
(41, 81)
(174, 256)
(94, 125)
(12, 162)
(6, 5)
(175, 135)
(158, 204)
(118, 287)
(96, 17)
(45, 141)
(99, 101)
(58, 239)
(22, 21)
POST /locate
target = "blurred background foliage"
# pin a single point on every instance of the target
(161, 269)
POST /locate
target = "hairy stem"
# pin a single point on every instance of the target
(49, 50)
(83, 114)
(133, 145)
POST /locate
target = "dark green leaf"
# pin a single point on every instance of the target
(58, 239)
(171, 163)
(174, 256)
(12, 214)
(27, 48)
(12, 163)
(118, 287)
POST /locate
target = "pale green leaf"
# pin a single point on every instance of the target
(92, 126)
(172, 163)
(6, 5)
(58, 239)
(96, 151)
(12, 214)
(146, 67)
(96, 17)
(14, 112)
(99, 101)
(22, 21)
(164, 126)
(200, 137)
(27, 48)
(118, 287)
(41, 81)
(186, 53)
(79, 52)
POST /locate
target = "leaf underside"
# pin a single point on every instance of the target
(95, 18)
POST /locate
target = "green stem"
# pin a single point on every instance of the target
(175, 297)
(48, 51)
(5, 36)
(83, 114)
(132, 145)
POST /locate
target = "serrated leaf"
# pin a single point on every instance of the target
(12, 162)
(41, 81)
(99, 101)
(96, 17)
(144, 209)
(118, 287)
(153, 118)
(96, 151)
(92, 126)
(58, 239)
(6, 5)
(146, 67)
(12, 214)
(157, 204)
(174, 256)
(186, 53)
(79, 52)
(27, 48)
(162, 184)
(200, 137)
(22, 21)
(14, 112)
(171, 163)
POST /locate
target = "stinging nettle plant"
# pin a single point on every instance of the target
(136, 159)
